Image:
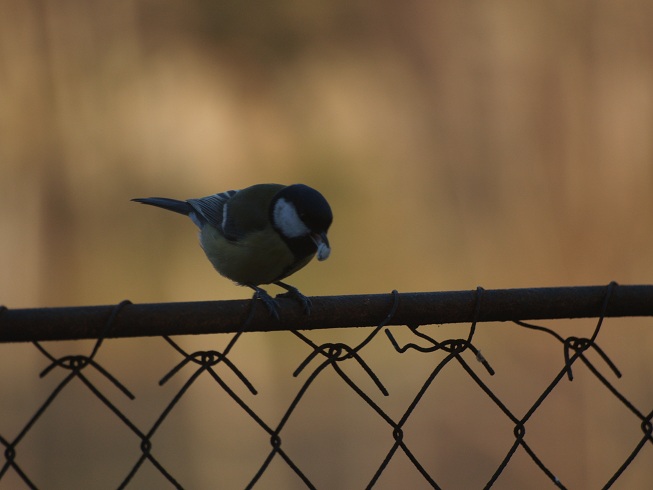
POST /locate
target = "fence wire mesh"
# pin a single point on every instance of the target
(361, 408)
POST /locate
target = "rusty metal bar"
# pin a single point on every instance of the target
(140, 320)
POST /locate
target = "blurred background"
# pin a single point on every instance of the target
(503, 144)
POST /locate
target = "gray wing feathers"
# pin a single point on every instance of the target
(211, 208)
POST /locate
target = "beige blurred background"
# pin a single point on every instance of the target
(502, 144)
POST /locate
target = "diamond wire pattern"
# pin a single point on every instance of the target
(342, 359)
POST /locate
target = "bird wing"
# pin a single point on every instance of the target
(237, 213)
(210, 209)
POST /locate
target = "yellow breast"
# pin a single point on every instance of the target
(260, 258)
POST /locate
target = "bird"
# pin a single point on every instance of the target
(260, 234)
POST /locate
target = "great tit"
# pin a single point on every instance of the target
(260, 234)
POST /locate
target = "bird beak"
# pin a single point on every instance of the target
(322, 243)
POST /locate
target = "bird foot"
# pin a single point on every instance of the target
(270, 303)
(293, 293)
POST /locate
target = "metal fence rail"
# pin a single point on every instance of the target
(405, 314)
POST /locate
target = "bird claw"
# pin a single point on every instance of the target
(273, 305)
(293, 293)
(270, 303)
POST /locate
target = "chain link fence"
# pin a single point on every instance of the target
(406, 400)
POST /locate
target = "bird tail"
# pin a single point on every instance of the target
(181, 207)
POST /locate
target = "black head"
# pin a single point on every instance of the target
(302, 216)
(311, 206)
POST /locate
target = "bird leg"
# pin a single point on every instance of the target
(269, 302)
(294, 293)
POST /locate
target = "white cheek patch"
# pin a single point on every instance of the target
(287, 220)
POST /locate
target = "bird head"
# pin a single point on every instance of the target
(300, 212)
